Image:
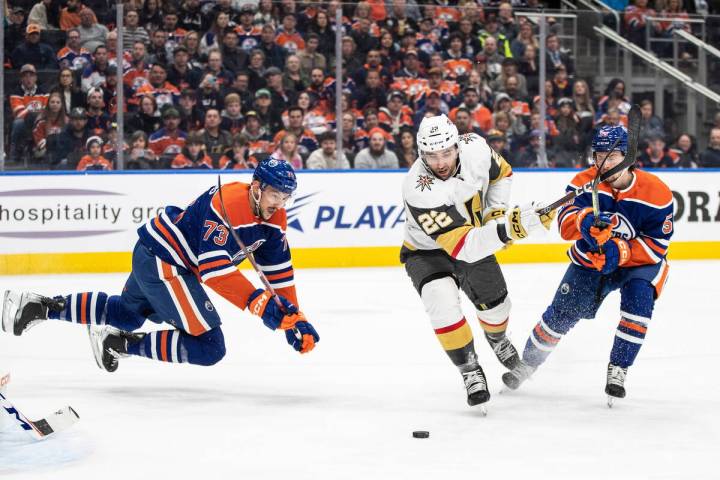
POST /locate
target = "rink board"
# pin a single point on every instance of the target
(72, 223)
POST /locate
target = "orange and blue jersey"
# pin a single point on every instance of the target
(642, 215)
(197, 239)
(74, 60)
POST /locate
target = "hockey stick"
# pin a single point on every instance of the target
(43, 428)
(629, 160)
(250, 256)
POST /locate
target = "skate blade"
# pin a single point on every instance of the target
(483, 410)
(610, 401)
(11, 303)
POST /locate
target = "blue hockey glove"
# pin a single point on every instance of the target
(616, 252)
(262, 304)
(595, 236)
(305, 339)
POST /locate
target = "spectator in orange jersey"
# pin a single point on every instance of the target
(288, 37)
(481, 115)
(70, 15)
(94, 160)
(25, 103)
(464, 122)
(306, 140)
(169, 140)
(396, 114)
(165, 93)
(657, 154)
(193, 154)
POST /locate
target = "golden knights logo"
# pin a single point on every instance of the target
(467, 137)
(424, 181)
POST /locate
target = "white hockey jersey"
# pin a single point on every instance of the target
(449, 214)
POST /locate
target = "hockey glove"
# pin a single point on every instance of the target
(524, 220)
(615, 254)
(595, 236)
(305, 339)
(495, 213)
(262, 304)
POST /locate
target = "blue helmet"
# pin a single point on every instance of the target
(279, 174)
(606, 136)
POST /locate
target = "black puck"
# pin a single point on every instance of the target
(421, 434)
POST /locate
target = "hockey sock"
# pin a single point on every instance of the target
(97, 308)
(457, 340)
(494, 331)
(178, 346)
(637, 299)
(540, 344)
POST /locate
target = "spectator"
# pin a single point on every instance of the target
(138, 74)
(98, 120)
(525, 37)
(190, 114)
(555, 56)
(94, 160)
(376, 156)
(248, 34)
(509, 69)
(362, 37)
(165, 93)
(650, 125)
(372, 94)
(273, 54)
(354, 137)
(70, 91)
(710, 158)
(15, 27)
(26, 101)
(255, 132)
(175, 33)
(133, 32)
(191, 18)
(585, 111)
(192, 43)
(94, 74)
(213, 37)
(288, 37)
(237, 157)
(71, 142)
(464, 123)
(656, 155)
(325, 157)
(39, 15)
(158, 48)
(151, 16)
(498, 142)
(70, 15)
(507, 24)
(305, 139)
(433, 106)
(635, 21)
(373, 64)
(140, 157)
(34, 52)
(288, 150)
(481, 115)
(280, 97)
(169, 140)
(92, 33)
(269, 116)
(310, 58)
(234, 57)
(232, 119)
(529, 68)
(215, 139)
(493, 58)
(406, 149)
(181, 73)
(147, 118)
(562, 85)
(686, 151)
(326, 37)
(193, 154)
(396, 114)
(49, 124)
(530, 157)
(411, 66)
(566, 144)
(292, 79)
(72, 55)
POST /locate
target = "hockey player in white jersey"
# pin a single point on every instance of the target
(456, 202)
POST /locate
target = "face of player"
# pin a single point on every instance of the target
(271, 201)
(620, 179)
(443, 162)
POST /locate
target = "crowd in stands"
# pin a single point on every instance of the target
(222, 84)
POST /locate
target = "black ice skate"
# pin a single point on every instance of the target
(109, 344)
(476, 386)
(504, 350)
(517, 375)
(23, 310)
(615, 386)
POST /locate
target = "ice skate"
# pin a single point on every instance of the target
(109, 344)
(476, 386)
(504, 351)
(615, 386)
(23, 310)
(515, 377)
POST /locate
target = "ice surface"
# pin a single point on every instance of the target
(347, 410)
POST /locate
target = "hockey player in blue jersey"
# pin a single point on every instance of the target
(178, 253)
(627, 255)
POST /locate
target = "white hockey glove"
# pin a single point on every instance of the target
(524, 220)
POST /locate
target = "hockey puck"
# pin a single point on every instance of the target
(421, 434)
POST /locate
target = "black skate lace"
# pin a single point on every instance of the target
(474, 381)
(503, 349)
(616, 375)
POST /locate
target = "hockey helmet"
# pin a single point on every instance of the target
(605, 137)
(278, 174)
(436, 133)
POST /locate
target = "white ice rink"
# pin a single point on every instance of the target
(347, 410)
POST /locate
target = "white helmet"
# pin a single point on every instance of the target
(436, 133)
